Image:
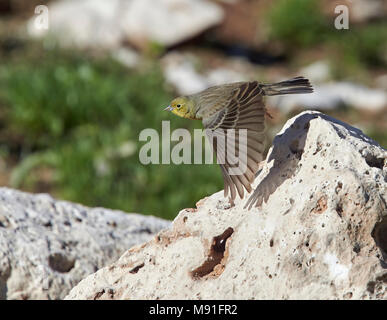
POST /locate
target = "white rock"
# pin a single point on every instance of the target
(320, 235)
(84, 23)
(222, 75)
(364, 10)
(106, 24)
(48, 246)
(127, 57)
(179, 71)
(181, 74)
(333, 95)
(168, 22)
(317, 72)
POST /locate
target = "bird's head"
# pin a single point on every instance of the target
(182, 107)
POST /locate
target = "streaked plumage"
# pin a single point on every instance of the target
(236, 106)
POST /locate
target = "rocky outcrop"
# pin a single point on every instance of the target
(320, 233)
(48, 246)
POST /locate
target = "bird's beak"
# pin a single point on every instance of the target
(169, 108)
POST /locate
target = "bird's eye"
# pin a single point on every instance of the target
(178, 106)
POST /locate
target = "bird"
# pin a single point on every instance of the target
(238, 105)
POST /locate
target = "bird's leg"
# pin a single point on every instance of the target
(268, 114)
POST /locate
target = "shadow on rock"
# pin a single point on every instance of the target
(287, 151)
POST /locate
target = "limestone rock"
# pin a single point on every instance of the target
(317, 72)
(322, 234)
(168, 22)
(107, 24)
(48, 246)
(83, 24)
(179, 71)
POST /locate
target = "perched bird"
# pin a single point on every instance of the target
(236, 106)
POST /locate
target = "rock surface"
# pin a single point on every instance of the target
(320, 235)
(48, 246)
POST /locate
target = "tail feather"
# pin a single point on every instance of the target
(293, 86)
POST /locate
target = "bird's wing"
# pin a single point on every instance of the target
(245, 110)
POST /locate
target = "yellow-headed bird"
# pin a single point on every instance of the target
(236, 106)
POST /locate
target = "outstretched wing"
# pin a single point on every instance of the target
(245, 110)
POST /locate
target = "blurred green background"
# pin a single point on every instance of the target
(70, 117)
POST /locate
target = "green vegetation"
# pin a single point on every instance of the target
(302, 23)
(80, 119)
(297, 22)
(378, 135)
(365, 45)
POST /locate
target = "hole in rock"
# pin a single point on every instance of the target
(382, 278)
(318, 148)
(99, 294)
(61, 263)
(379, 233)
(339, 209)
(216, 255)
(47, 224)
(374, 161)
(4, 222)
(338, 187)
(142, 230)
(294, 148)
(356, 248)
(372, 284)
(135, 269)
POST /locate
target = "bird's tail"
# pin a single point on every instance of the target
(291, 86)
